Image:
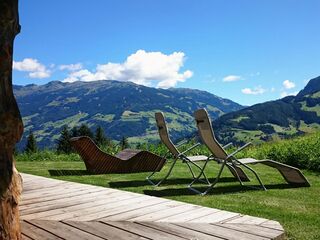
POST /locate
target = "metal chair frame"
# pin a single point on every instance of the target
(230, 160)
(184, 159)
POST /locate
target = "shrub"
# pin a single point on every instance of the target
(302, 152)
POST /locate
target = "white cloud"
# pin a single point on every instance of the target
(231, 78)
(254, 91)
(35, 69)
(285, 94)
(287, 84)
(141, 67)
(44, 74)
(273, 89)
(71, 67)
(83, 75)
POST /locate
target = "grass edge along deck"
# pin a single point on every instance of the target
(55, 209)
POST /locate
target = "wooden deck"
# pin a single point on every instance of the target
(54, 209)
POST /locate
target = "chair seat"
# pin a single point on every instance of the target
(197, 158)
(127, 154)
(248, 160)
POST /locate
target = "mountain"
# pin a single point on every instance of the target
(283, 118)
(123, 109)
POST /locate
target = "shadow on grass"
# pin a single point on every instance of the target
(173, 181)
(67, 172)
(215, 191)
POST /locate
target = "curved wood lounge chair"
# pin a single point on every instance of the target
(291, 174)
(127, 161)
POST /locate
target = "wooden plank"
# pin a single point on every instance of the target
(272, 224)
(76, 198)
(24, 237)
(179, 231)
(57, 190)
(100, 212)
(83, 210)
(128, 216)
(125, 207)
(246, 219)
(84, 198)
(48, 191)
(190, 215)
(33, 232)
(40, 180)
(105, 231)
(144, 231)
(36, 186)
(51, 198)
(221, 232)
(215, 217)
(71, 211)
(74, 192)
(80, 194)
(253, 229)
(65, 231)
(164, 213)
(64, 203)
(33, 187)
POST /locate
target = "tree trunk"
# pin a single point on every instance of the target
(11, 127)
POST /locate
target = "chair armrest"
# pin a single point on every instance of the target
(181, 143)
(227, 145)
(189, 149)
(238, 150)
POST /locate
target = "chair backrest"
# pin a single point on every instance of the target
(207, 135)
(88, 150)
(164, 135)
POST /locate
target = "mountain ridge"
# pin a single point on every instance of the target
(123, 109)
(282, 118)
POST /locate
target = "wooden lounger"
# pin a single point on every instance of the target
(127, 161)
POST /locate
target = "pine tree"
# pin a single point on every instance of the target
(63, 143)
(100, 138)
(84, 130)
(75, 132)
(31, 146)
(124, 143)
(139, 146)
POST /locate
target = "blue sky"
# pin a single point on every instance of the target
(247, 51)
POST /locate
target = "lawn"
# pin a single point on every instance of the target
(297, 209)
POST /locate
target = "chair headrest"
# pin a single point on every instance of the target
(201, 115)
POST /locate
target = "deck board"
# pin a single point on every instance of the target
(55, 209)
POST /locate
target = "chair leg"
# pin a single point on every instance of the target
(257, 176)
(206, 180)
(211, 185)
(167, 175)
(237, 175)
(190, 169)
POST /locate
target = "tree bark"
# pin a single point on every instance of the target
(11, 127)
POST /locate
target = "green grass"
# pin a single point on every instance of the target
(104, 118)
(316, 95)
(311, 109)
(297, 209)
